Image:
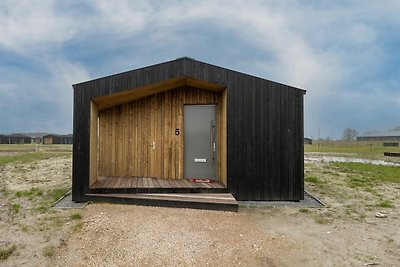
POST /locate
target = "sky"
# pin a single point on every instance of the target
(346, 54)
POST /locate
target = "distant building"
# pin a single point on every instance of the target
(37, 140)
(53, 139)
(307, 141)
(14, 139)
(380, 136)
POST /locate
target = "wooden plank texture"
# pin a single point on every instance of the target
(151, 122)
(264, 128)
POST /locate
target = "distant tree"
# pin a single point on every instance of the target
(349, 134)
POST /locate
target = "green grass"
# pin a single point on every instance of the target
(49, 198)
(76, 216)
(385, 204)
(16, 207)
(30, 193)
(371, 173)
(57, 193)
(28, 157)
(304, 210)
(77, 227)
(313, 180)
(321, 220)
(6, 252)
(24, 228)
(360, 181)
(24, 158)
(48, 251)
(34, 147)
(363, 148)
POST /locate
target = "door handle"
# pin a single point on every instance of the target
(212, 141)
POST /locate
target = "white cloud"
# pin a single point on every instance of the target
(25, 25)
(324, 47)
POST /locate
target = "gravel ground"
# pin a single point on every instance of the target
(122, 235)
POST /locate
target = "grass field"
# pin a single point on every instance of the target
(32, 177)
(26, 153)
(34, 148)
(360, 148)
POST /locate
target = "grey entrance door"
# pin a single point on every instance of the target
(200, 142)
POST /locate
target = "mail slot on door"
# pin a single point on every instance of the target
(200, 160)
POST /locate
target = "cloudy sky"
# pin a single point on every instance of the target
(346, 54)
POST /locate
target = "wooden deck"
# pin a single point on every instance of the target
(224, 202)
(142, 185)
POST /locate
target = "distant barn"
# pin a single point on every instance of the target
(157, 128)
(15, 139)
(56, 139)
(380, 136)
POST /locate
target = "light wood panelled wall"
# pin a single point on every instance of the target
(139, 138)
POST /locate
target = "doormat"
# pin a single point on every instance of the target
(200, 180)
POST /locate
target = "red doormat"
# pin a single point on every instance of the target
(200, 180)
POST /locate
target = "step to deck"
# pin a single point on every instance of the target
(223, 201)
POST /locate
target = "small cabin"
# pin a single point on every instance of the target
(159, 128)
(15, 139)
(56, 139)
(307, 141)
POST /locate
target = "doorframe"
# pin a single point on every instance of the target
(222, 135)
(222, 120)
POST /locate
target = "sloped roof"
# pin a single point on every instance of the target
(381, 134)
(128, 86)
(188, 65)
(59, 135)
(17, 135)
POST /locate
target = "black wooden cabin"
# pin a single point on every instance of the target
(131, 125)
(15, 139)
(57, 139)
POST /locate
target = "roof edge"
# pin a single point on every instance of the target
(186, 59)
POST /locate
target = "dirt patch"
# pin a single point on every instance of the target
(51, 173)
(27, 220)
(147, 236)
(346, 232)
(325, 158)
(133, 235)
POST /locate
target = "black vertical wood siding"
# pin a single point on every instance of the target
(265, 156)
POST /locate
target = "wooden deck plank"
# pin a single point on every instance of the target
(118, 183)
(167, 183)
(175, 183)
(139, 182)
(109, 181)
(133, 182)
(113, 182)
(156, 183)
(160, 183)
(100, 182)
(146, 182)
(152, 183)
(128, 182)
(124, 183)
(183, 183)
